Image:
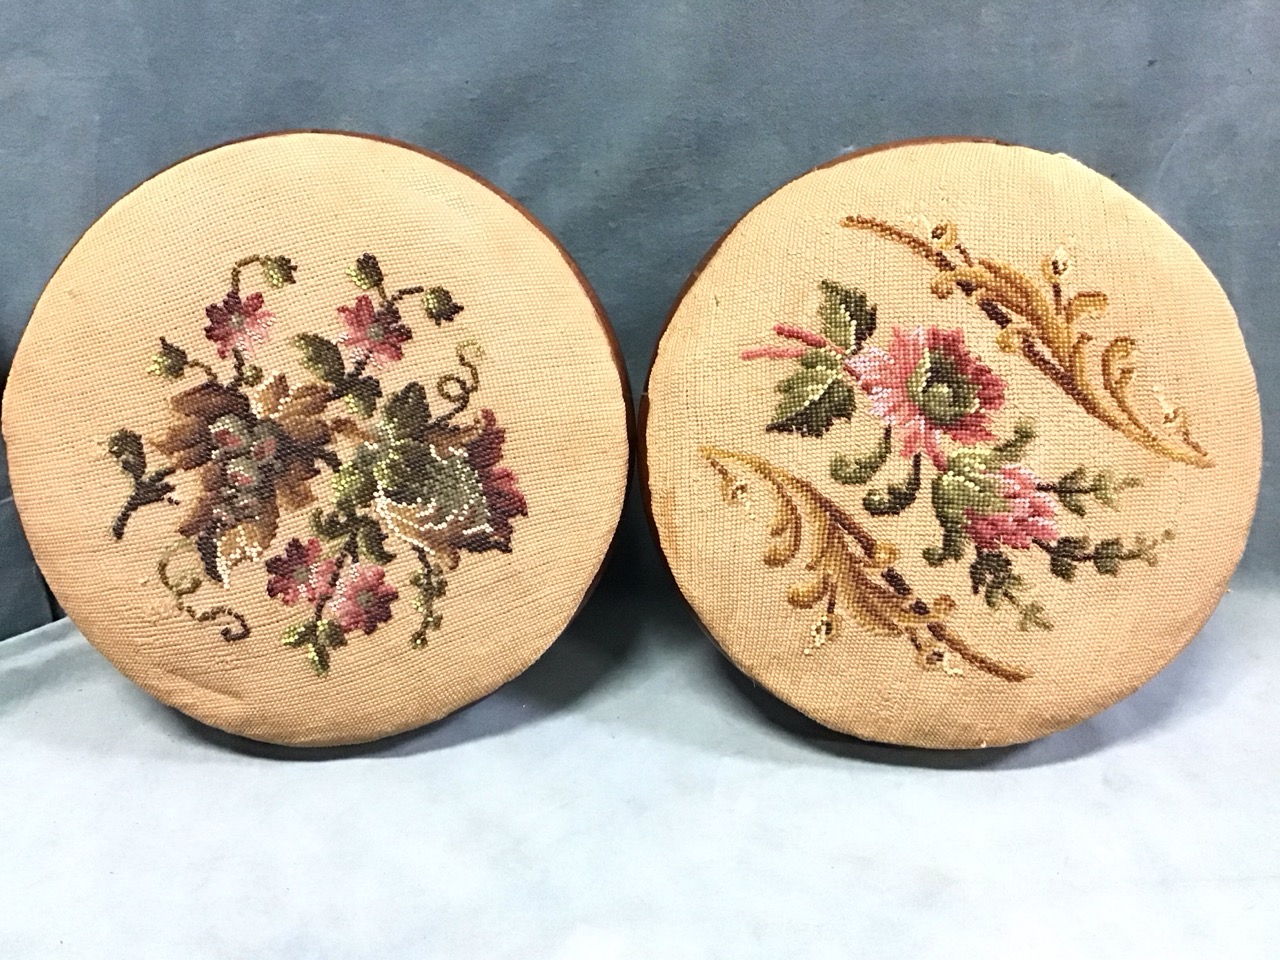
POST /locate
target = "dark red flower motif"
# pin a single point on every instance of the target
(300, 572)
(237, 324)
(363, 599)
(484, 454)
(373, 334)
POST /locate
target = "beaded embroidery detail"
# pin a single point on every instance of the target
(399, 471)
(934, 400)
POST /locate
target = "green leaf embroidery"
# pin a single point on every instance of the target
(406, 415)
(362, 395)
(318, 657)
(954, 541)
(965, 484)
(170, 362)
(365, 535)
(279, 271)
(318, 637)
(991, 574)
(409, 472)
(440, 305)
(299, 634)
(1107, 557)
(813, 397)
(365, 273)
(1011, 450)
(430, 586)
(1075, 487)
(861, 469)
(328, 526)
(321, 357)
(354, 484)
(126, 447)
(329, 634)
(899, 496)
(370, 538)
(1066, 554)
(1032, 615)
(1069, 491)
(847, 319)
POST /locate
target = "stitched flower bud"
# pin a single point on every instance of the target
(440, 305)
(365, 273)
(279, 271)
(1024, 513)
(170, 362)
(1056, 267)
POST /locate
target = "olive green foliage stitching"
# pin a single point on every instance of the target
(1073, 489)
(898, 497)
(813, 397)
(860, 469)
(153, 487)
(973, 492)
(991, 575)
(848, 319)
(1107, 556)
(433, 482)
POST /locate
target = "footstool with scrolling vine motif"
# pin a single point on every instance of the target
(952, 443)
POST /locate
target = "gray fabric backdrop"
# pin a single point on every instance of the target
(638, 132)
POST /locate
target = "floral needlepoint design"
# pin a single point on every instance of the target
(1048, 327)
(301, 573)
(934, 401)
(927, 385)
(236, 323)
(363, 599)
(376, 335)
(259, 448)
(1022, 514)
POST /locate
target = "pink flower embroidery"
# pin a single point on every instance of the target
(373, 334)
(300, 572)
(501, 493)
(237, 324)
(1030, 513)
(928, 384)
(364, 599)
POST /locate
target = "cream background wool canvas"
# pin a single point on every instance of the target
(1013, 206)
(150, 268)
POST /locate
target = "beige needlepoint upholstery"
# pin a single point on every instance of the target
(952, 443)
(317, 437)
